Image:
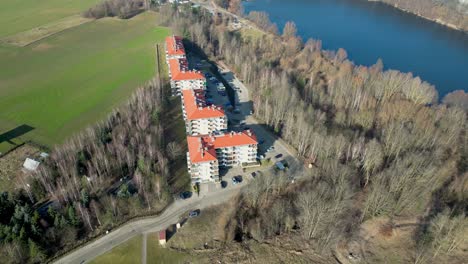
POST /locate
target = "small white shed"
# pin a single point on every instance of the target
(31, 164)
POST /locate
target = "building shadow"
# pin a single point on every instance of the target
(15, 133)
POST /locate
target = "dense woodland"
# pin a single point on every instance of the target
(381, 144)
(100, 178)
(453, 12)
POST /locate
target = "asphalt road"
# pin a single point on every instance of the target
(170, 216)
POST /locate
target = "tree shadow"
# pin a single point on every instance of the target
(14, 133)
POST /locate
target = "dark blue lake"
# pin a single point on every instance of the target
(369, 30)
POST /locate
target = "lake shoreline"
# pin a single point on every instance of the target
(438, 21)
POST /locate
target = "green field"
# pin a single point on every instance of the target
(155, 254)
(128, 252)
(21, 15)
(68, 81)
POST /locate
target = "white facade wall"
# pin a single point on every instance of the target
(206, 126)
(204, 171)
(235, 156)
(177, 86)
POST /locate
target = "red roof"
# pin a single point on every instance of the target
(197, 152)
(162, 235)
(203, 148)
(175, 46)
(180, 72)
(194, 103)
(231, 139)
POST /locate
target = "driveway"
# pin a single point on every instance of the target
(242, 118)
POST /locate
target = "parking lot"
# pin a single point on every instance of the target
(240, 116)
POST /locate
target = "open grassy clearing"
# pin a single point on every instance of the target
(11, 166)
(22, 15)
(30, 36)
(63, 83)
(128, 252)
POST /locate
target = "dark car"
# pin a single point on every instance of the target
(194, 213)
(236, 179)
(279, 156)
(224, 184)
(185, 195)
(254, 174)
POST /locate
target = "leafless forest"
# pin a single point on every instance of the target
(454, 12)
(114, 170)
(381, 144)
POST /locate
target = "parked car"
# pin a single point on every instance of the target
(236, 179)
(279, 156)
(224, 184)
(270, 148)
(194, 213)
(185, 195)
(254, 174)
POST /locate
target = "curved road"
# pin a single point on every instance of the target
(170, 216)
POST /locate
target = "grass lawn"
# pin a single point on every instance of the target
(128, 252)
(21, 15)
(155, 254)
(66, 82)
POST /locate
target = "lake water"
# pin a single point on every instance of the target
(369, 30)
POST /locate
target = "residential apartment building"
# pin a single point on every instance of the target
(201, 119)
(184, 79)
(209, 148)
(174, 48)
(206, 154)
